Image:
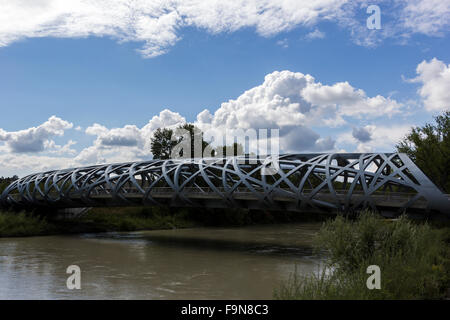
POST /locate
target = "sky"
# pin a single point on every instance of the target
(88, 82)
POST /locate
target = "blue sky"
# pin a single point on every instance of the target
(101, 89)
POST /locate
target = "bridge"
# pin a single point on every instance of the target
(332, 182)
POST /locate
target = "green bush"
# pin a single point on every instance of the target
(413, 258)
(22, 224)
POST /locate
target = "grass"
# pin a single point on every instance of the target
(135, 218)
(139, 218)
(21, 224)
(414, 260)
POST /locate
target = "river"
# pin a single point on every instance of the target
(197, 263)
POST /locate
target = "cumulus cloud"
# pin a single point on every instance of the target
(157, 23)
(304, 111)
(127, 136)
(35, 139)
(434, 75)
(350, 101)
(294, 103)
(362, 134)
(288, 98)
(126, 143)
(290, 102)
(382, 137)
(23, 164)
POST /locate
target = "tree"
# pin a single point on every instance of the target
(5, 182)
(162, 143)
(195, 136)
(236, 149)
(429, 148)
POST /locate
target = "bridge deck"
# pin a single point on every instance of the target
(105, 197)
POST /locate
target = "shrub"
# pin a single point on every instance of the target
(22, 224)
(413, 259)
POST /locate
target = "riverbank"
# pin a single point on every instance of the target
(413, 260)
(22, 224)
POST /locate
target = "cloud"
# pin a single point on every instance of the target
(294, 103)
(288, 98)
(382, 138)
(350, 101)
(316, 34)
(284, 43)
(309, 115)
(23, 164)
(434, 75)
(126, 143)
(127, 136)
(431, 17)
(290, 102)
(157, 23)
(362, 134)
(400, 20)
(35, 139)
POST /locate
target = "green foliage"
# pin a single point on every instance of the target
(162, 143)
(135, 218)
(195, 135)
(414, 261)
(236, 149)
(21, 224)
(5, 182)
(429, 148)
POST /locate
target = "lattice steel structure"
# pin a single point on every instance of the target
(302, 182)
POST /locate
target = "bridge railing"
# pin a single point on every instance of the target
(388, 195)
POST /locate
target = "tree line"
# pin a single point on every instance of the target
(164, 144)
(5, 182)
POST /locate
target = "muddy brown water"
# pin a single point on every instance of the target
(198, 263)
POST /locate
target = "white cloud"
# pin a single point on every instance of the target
(400, 20)
(316, 34)
(350, 101)
(293, 103)
(127, 136)
(65, 149)
(431, 17)
(382, 138)
(307, 113)
(434, 75)
(126, 143)
(291, 98)
(35, 139)
(23, 164)
(363, 134)
(157, 23)
(284, 43)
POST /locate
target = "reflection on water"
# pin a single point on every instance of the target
(210, 263)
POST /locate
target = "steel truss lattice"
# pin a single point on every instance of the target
(303, 182)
